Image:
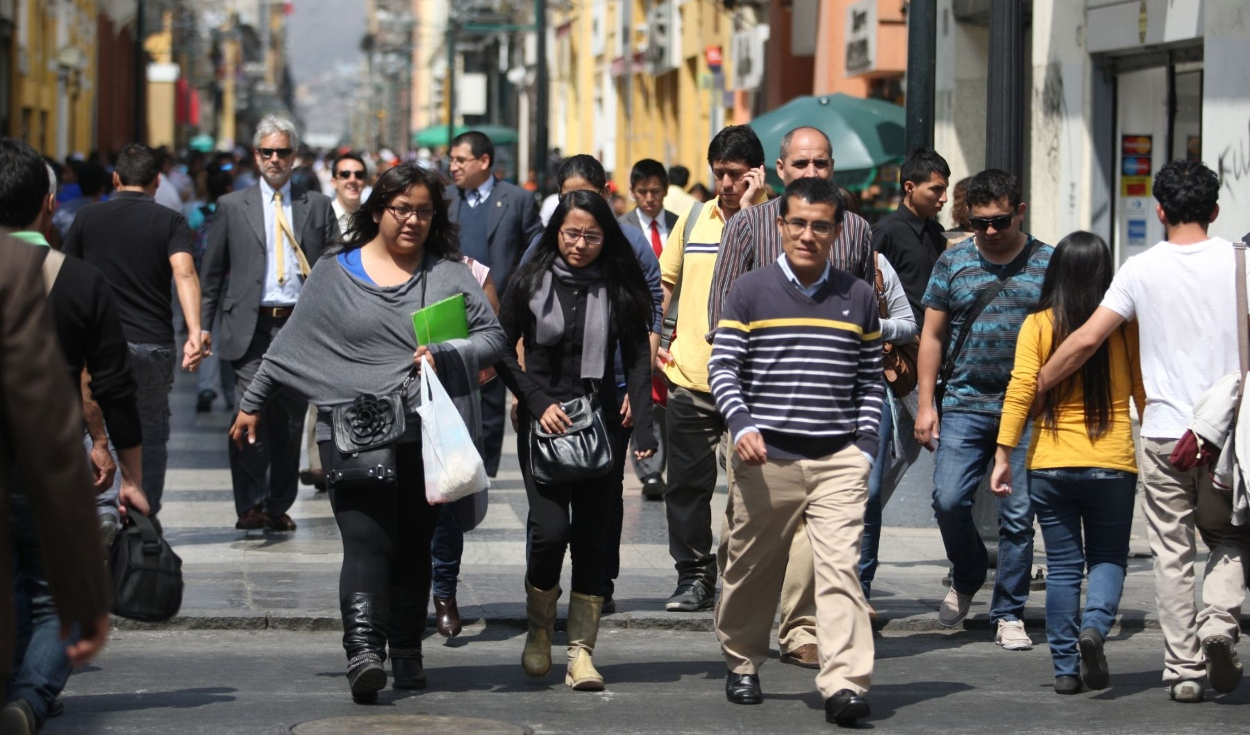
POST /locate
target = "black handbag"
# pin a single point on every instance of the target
(146, 573)
(583, 452)
(361, 450)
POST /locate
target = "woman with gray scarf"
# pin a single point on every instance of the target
(352, 335)
(580, 295)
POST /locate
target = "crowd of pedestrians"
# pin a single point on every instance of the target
(778, 337)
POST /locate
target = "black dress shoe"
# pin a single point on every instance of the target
(845, 707)
(653, 487)
(204, 402)
(743, 688)
(609, 605)
(448, 616)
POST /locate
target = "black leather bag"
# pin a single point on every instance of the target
(583, 452)
(146, 573)
(361, 452)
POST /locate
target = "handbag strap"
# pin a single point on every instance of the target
(147, 532)
(669, 325)
(1243, 330)
(987, 295)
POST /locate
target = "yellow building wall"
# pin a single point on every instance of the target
(36, 88)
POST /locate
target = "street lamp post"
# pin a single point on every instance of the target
(921, 72)
(1004, 118)
(540, 94)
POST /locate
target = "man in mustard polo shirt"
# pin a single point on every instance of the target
(695, 427)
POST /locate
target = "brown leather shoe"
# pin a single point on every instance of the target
(253, 520)
(806, 655)
(281, 524)
(448, 616)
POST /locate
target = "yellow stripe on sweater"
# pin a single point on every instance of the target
(800, 322)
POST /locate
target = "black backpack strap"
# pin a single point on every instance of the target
(983, 300)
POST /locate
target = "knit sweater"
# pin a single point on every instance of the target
(805, 372)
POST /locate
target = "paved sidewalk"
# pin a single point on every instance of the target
(290, 581)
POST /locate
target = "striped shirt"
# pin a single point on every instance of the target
(752, 240)
(804, 371)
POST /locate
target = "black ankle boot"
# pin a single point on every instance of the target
(365, 627)
(408, 616)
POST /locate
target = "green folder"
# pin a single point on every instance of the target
(441, 321)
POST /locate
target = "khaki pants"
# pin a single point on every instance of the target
(797, 626)
(770, 504)
(1174, 504)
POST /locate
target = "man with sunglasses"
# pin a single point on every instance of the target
(969, 339)
(265, 238)
(348, 176)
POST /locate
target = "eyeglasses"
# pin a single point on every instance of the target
(345, 175)
(460, 160)
(999, 223)
(281, 152)
(403, 214)
(820, 163)
(591, 238)
(820, 228)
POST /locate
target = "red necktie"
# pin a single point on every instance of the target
(656, 245)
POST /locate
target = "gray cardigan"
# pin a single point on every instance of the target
(347, 338)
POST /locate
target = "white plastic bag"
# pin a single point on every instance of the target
(453, 467)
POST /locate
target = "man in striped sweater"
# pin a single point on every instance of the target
(796, 373)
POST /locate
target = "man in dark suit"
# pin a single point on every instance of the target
(266, 238)
(497, 221)
(41, 450)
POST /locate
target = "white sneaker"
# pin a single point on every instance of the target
(1011, 636)
(954, 609)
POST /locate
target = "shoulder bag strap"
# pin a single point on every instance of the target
(1243, 330)
(987, 295)
(674, 301)
(51, 269)
(883, 308)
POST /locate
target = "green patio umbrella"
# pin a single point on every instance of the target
(437, 134)
(866, 133)
(203, 143)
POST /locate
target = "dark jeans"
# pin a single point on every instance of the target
(571, 516)
(40, 667)
(494, 413)
(446, 549)
(695, 429)
(1096, 504)
(965, 450)
(153, 369)
(386, 531)
(887, 472)
(265, 475)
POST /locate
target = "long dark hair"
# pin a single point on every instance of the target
(444, 237)
(627, 287)
(1076, 280)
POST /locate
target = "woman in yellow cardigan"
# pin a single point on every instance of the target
(1082, 469)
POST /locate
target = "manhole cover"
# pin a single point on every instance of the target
(407, 725)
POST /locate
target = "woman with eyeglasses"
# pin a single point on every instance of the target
(1082, 468)
(352, 335)
(579, 296)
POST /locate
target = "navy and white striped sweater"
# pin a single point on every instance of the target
(804, 371)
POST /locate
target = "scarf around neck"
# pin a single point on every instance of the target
(549, 316)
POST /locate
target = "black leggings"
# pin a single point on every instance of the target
(386, 532)
(568, 515)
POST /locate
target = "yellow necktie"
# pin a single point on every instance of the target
(282, 229)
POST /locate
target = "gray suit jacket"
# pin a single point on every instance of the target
(236, 248)
(512, 224)
(631, 218)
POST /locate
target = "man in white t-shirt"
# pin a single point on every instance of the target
(1182, 294)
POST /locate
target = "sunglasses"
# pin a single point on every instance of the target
(999, 223)
(345, 175)
(281, 152)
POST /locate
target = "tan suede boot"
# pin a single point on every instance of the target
(584, 611)
(540, 608)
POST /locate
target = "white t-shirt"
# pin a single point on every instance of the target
(1184, 298)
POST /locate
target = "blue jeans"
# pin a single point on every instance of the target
(40, 667)
(153, 369)
(872, 511)
(1097, 503)
(965, 451)
(446, 549)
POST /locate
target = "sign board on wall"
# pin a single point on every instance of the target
(1135, 168)
(861, 37)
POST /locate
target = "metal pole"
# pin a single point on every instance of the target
(451, 87)
(141, 75)
(1004, 108)
(541, 103)
(921, 72)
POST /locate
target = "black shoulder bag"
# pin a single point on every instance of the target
(582, 452)
(146, 573)
(983, 300)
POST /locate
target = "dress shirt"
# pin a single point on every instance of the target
(659, 221)
(287, 293)
(808, 291)
(474, 197)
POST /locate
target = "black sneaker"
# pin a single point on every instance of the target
(609, 605)
(653, 487)
(1093, 662)
(691, 597)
